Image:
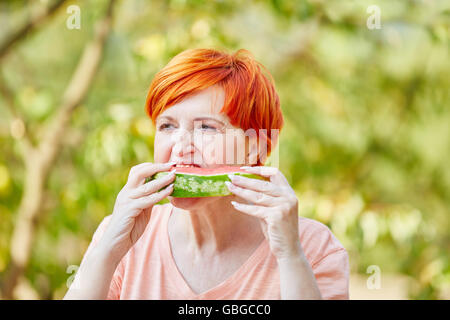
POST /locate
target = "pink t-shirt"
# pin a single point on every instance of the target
(148, 270)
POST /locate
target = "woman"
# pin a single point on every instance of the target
(249, 245)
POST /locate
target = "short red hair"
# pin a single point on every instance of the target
(251, 101)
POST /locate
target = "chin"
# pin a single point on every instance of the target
(189, 203)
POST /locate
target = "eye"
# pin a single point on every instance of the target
(207, 127)
(164, 126)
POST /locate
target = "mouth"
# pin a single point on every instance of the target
(183, 165)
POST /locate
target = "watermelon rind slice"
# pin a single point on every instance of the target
(188, 185)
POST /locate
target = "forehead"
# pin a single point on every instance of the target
(206, 102)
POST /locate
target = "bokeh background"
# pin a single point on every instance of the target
(366, 144)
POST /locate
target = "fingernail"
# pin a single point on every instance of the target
(234, 203)
(228, 184)
(231, 176)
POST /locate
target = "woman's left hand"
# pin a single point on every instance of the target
(275, 204)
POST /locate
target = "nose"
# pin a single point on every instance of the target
(182, 144)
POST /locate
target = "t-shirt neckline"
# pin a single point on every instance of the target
(218, 290)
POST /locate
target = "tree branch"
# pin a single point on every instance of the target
(29, 26)
(8, 97)
(77, 89)
(42, 158)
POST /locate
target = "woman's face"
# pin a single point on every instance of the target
(194, 132)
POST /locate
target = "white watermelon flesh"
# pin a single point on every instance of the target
(191, 182)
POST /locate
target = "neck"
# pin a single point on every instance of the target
(216, 226)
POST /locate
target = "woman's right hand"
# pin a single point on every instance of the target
(133, 208)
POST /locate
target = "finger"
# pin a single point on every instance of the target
(273, 173)
(252, 210)
(256, 185)
(142, 164)
(150, 200)
(252, 196)
(261, 170)
(140, 172)
(152, 186)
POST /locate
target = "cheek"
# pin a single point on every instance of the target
(236, 150)
(162, 148)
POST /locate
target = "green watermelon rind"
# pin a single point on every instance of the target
(196, 186)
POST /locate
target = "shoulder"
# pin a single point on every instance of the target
(317, 240)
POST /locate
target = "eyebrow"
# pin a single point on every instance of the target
(196, 119)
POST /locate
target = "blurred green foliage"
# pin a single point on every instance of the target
(366, 143)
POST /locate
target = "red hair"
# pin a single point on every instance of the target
(251, 101)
